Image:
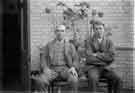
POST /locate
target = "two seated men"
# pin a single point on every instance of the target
(61, 56)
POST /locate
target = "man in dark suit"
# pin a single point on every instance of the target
(99, 55)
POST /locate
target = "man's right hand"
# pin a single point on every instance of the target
(89, 53)
(50, 74)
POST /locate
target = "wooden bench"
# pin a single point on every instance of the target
(57, 85)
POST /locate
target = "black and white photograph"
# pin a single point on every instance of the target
(67, 46)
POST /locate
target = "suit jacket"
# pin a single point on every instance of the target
(70, 54)
(104, 50)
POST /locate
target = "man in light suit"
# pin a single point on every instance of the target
(60, 56)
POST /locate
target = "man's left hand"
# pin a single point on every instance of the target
(73, 71)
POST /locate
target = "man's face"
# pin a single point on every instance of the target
(60, 34)
(99, 30)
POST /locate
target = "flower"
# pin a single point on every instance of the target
(47, 10)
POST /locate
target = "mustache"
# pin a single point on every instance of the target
(97, 34)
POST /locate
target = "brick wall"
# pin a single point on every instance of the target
(124, 61)
(117, 15)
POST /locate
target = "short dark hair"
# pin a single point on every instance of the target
(96, 22)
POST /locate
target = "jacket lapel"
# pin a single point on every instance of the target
(103, 44)
(51, 49)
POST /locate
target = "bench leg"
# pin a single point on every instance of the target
(49, 89)
(59, 89)
(52, 89)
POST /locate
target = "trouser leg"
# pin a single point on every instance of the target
(72, 80)
(114, 81)
(93, 76)
(75, 86)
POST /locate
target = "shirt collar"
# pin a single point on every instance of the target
(60, 41)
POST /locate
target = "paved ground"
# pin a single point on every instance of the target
(16, 89)
(85, 90)
(122, 91)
